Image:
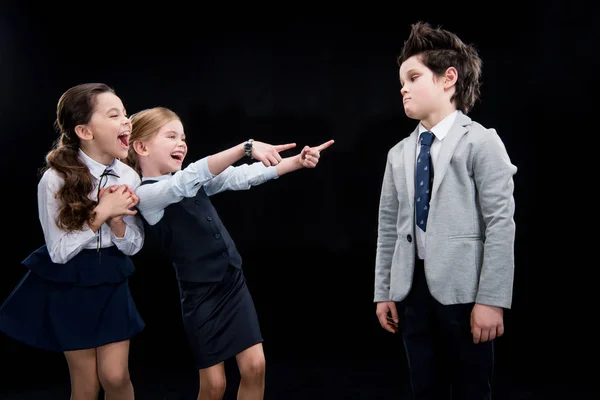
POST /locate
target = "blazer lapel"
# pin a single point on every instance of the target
(459, 128)
(409, 156)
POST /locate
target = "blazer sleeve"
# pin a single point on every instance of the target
(493, 174)
(386, 234)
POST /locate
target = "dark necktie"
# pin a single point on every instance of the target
(104, 180)
(102, 183)
(423, 180)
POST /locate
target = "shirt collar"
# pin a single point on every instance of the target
(95, 167)
(442, 128)
(157, 178)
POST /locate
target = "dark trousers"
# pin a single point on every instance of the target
(444, 362)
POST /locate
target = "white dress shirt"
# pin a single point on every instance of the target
(439, 133)
(63, 245)
(173, 188)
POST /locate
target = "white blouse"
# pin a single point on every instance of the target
(63, 245)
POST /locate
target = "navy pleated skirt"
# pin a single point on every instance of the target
(220, 319)
(82, 304)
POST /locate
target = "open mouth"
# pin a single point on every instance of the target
(124, 140)
(177, 156)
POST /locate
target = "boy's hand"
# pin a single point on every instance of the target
(387, 315)
(487, 323)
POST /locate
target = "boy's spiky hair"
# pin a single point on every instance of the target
(439, 49)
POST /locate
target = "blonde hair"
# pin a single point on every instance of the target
(145, 126)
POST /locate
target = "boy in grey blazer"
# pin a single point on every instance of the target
(445, 249)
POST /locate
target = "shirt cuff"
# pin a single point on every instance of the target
(125, 237)
(87, 233)
(203, 169)
(271, 173)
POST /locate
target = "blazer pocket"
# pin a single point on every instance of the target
(469, 236)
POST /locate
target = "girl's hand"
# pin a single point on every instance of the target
(309, 157)
(118, 201)
(269, 154)
(111, 189)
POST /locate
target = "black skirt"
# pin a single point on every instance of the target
(220, 319)
(82, 304)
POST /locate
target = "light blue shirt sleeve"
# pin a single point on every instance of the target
(242, 177)
(171, 189)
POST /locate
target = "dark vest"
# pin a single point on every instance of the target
(195, 239)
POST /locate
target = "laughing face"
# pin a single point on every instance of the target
(106, 135)
(166, 150)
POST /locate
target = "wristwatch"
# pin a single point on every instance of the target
(248, 147)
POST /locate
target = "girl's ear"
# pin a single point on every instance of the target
(140, 148)
(83, 132)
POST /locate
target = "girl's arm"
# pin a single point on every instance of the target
(127, 231)
(245, 176)
(62, 245)
(167, 190)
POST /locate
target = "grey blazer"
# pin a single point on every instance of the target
(469, 253)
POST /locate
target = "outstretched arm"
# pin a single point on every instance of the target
(308, 158)
(266, 153)
(153, 199)
(245, 176)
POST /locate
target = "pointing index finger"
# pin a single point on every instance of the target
(284, 147)
(325, 145)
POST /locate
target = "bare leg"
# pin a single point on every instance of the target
(212, 382)
(113, 371)
(83, 373)
(251, 363)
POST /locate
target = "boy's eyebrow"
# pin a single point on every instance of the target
(408, 73)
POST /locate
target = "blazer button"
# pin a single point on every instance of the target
(197, 202)
(208, 219)
(217, 236)
(409, 238)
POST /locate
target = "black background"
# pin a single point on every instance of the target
(308, 239)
